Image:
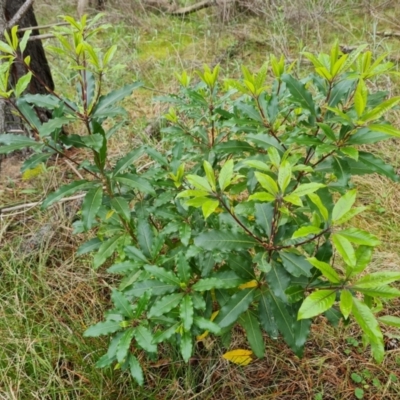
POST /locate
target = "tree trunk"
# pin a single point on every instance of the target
(34, 49)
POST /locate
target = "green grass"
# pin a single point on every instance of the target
(48, 297)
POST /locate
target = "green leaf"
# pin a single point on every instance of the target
(295, 293)
(264, 214)
(321, 208)
(162, 336)
(346, 303)
(18, 144)
(29, 113)
(262, 262)
(368, 323)
(317, 303)
(122, 304)
(368, 164)
(266, 316)
(299, 93)
(210, 175)
(144, 338)
(145, 237)
(199, 183)
(207, 325)
(52, 125)
(295, 264)
(267, 183)
(94, 141)
(344, 205)
(306, 231)
(185, 233)
(102, 328)
(380, 110)
(224, 241)
(90, 245)
(377, 279)
(66, 190)
(225, 175)
(253, 333)
(284, 175)
(135, 182)
(345, 249)
(121, 207)
(163, 275)
(165, 305)
(241, 264)
(106, 250)
(186, 312)
(186, 346)
(221, 280)
(237, 305)
(208, 207)
(127, 161)
(22, 84)
(183, 268)
(307, 188)
(106, 102)
(359, 236)
(388, 129)
(327, 271)
(136, 369)
(360, 97)
(124, 344)
(47, 101)
(262, 196)
(294, 332)
(91, 205)
(385, 291)
(135, 253)
(390, 320)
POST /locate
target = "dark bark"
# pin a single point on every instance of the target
(34, 49)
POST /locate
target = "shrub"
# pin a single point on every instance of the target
(244, 219)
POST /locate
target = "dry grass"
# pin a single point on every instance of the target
(48, 296)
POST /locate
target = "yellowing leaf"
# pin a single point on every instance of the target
(239, 356)
(205, 334)
(248, 285)
(32, 173)
(110, 214)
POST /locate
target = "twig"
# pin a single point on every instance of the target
(37, 203)
(45, 36)
(74, 169)
(20, 13)
(29, 28)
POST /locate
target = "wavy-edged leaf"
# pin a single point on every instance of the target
(102, 328)
(106, 250)
(135, 369)
(122, 304)
(106, 102)
(127, 161)
(295, 264)
(135, 182)
(237, 305)
(163, 275)
(121, 207)
(145, 237)
(224, 241)
(358, 236)
(124, 344)
(87, 247)
(66, 190)
(266, 316)
(186, 346)
(165, 305)
(253, 333)
(299, 93)
(144, 338)
(186, 312)
(207, 325)
(91, 205)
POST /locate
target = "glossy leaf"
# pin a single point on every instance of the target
(346, 303)
(224, 241)
(326, 269)
(317, 303)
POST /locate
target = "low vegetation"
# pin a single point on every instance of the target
(246, 216)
